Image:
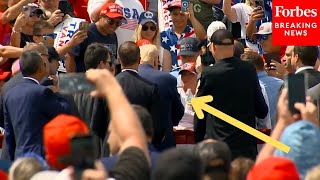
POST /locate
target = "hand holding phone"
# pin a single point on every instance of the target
(268, 57)
(260, 4)
(84, 26)
(73, 83)
(184, 5)
(295, 83)
(63, 7)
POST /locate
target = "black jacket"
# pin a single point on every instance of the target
(141, 92)
(235, 89)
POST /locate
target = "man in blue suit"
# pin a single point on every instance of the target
(170, 108)
(28, 106)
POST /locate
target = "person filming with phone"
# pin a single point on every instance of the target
(103, 31)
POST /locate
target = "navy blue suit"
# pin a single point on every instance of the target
(28, 106)
(170, 108)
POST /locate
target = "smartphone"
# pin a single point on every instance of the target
(296, 85)
(184, 5)
(83, 152)
(271, 56)
(73, 83)
(260, 4)
(84, 26)
(63, 7)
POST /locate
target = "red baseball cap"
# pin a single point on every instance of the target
(57, 135)
(174, 3)
(4, 75)
(112, 10)
(191, 67)
(142, 42)
(274, 168)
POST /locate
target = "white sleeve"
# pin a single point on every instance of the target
(238, 8)
(93, 4)
(266, 122)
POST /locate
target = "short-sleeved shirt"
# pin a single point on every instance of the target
(203, 12)
(243, 15)
(94, 36)
(132, 164)
(131, 11)
(170, 41)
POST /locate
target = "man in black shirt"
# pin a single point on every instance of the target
(236, 91)
(103, 31)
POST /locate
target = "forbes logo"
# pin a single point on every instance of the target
(296, 12)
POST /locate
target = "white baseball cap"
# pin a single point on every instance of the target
(265, 28)
(213, 27)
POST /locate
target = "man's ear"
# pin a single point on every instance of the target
(37, 39)
(296, 56)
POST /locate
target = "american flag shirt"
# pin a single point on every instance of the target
(171, 42)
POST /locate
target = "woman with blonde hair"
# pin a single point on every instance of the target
(148, 29)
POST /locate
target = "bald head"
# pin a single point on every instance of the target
(129, 54)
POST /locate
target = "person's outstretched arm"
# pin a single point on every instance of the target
(123, 120)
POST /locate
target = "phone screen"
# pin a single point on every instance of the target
(260, 4)
(83, 152)
(296, 86)
(184, 5)
(73, 83)
(63, 7)
(84, 26)
(271, 56)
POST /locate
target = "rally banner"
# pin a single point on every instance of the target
(65, 30)
(164, 15)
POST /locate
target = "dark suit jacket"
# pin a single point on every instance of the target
(170, 108)
(313, 77)
(27, 108)
(314, 92)
(95, 113)
(141, 92)
(235, 89)
(46, 82)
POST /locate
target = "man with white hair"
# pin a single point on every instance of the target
(171, 110)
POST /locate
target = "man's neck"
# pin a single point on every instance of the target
(221, 57)
(193, 88)
(150, 64)
(179, 30)
(99, 28)
(36, 77)
(130, 67)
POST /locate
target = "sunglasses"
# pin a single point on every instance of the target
(113, 22)
(53, 35)
(264, 37)
(152, 28)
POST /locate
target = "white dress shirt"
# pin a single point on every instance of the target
(32, 79)
(303, 68)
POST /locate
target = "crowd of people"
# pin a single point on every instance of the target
(138, 122)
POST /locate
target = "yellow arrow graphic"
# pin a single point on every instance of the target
(199, 105)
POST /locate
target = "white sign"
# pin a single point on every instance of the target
(65, 30)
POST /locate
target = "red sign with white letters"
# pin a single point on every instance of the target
(296, 22)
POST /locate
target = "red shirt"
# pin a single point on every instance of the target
(80, 9)
(5, 32)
